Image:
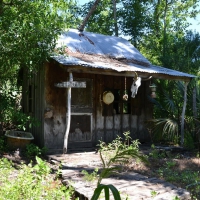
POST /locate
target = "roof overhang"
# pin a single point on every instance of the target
(108, 66)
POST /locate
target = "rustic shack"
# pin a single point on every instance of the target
(105, 98)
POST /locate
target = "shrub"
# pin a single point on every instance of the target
(33, 150)
(30, 182)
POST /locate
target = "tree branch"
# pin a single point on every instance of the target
(82, 26)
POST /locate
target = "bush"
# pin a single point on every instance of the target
(3, 146)
(30, 182)
(33, 150)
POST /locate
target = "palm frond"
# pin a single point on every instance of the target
(163, 128)
(169, 102)
(155, 102)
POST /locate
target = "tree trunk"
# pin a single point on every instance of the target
(183, 114)
(115, 17)
(195, 102)
(82, 26)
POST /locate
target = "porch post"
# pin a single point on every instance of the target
(68, 121)
(183, 113)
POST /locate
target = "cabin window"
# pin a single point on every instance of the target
(121, 106)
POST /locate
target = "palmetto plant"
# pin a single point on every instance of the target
(167, 111)
(164, 128)
(165, 125)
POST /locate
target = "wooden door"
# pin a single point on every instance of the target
(81, 116)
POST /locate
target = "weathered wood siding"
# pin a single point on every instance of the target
(112, 124)
(107, 121)
(33, 102)
(55, 107)
(92, 119)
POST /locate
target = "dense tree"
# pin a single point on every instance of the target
(29, 30)
(133, 19)
(28, 33)
(168, 23)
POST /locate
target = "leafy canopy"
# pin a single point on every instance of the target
(28, 32)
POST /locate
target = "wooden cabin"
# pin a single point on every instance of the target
(104, 69)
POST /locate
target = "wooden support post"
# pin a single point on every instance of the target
(183, 114)
(69, 85)
(68, 121)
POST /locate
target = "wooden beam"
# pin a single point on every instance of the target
(89, 70)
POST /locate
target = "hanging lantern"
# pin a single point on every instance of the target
(153, 90)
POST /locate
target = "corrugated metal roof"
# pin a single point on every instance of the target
(98, 44)
(69, 60)
(106, 52)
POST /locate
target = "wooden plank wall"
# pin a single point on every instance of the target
(50, 107)
(33, 87)
(38, 107)
(107, 125)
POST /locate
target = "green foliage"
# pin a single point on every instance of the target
(21, 121)
(155, 153)
(116, 153)
(186, 177)
(164, 129)
(90, 176)
(133, 19)
(153, 193)
(11, 115)
(189, 141)
(28, 32)
(41, 168)
(30, 182)
(194, 189)
(3, 145)
(170, 164)
(119, 152)
(5, 164)
(176, 198)
(33, 150)
(106, 189)
(167, 112)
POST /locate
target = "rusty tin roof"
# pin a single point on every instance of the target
(92, 50)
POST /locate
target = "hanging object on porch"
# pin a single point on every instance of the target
(125, 96)
(153, 90)
(108, 97)
(135, 85)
